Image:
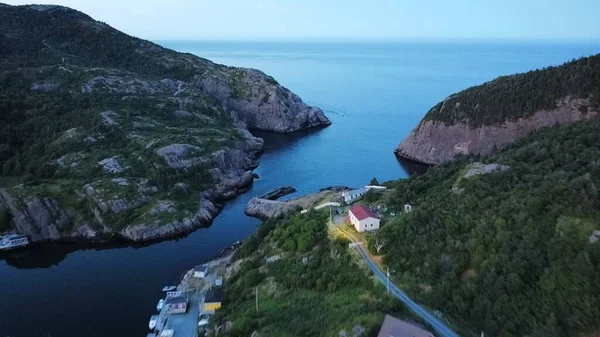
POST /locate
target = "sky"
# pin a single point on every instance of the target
(345, 19)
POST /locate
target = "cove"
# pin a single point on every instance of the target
(374, 93)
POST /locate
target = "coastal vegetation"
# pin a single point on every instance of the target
(507, 253)
(308, 284)
(102, 133)
(497, 243)
(509, 98)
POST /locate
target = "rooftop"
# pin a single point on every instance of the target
(362, 212)
(177, 299)
(201, 267)
(353, 193)
(212, 296)
(393, 327)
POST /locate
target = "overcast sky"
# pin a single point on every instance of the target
(346, 19)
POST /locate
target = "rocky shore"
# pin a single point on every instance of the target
(263, 208)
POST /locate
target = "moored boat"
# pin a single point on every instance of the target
(169, 288)
(153, 321)
(13, 241)
(160, 304)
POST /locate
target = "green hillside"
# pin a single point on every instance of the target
(101, 131)
(507, 253)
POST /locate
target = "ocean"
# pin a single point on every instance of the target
(374, 93)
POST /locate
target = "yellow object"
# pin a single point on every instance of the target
(212, 306)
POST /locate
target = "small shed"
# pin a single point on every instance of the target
(219, 281)
(213, 300)
(407, 208)
(177, 305)
(200, 271)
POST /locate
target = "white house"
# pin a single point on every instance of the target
(200, 271)
(407, 208)
(350, 196)
(363, 218)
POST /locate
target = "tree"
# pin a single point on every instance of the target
(374, 181)
(379, 244)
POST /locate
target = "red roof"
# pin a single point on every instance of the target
(362, 212)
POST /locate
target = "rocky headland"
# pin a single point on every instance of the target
(489, 116)
(145, 142)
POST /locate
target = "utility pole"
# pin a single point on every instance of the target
(388, 279)
(256, 292)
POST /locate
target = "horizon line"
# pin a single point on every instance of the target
(380, 39)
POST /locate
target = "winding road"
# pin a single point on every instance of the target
(439, 326)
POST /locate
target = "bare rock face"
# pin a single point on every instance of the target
(435, 142)
(476, 169)
(260, 102)
(264, 208)
(176, 155)
(145, 232)
(40, 218)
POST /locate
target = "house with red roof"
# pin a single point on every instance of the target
(363, 218)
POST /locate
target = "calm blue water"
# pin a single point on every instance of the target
(373, 93)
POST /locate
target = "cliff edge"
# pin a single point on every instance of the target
(481, 118)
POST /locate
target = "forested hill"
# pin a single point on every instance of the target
(482, 118)
(512, 252)
(104, 133)
(509, 98)
(36, 36)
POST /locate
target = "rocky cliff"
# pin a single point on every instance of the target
(435, 142)
(103, 134)
(489, 116)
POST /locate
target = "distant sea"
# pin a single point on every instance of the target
(374, 93)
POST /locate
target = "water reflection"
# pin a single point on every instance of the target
(413, 168)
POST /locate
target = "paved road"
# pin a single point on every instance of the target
(441, 328)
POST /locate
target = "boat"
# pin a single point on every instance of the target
(153, 321)
(160, 304)
(13, 241)
(169, 288)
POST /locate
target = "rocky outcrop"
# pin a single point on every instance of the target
(260, 102)
(43, 219)
(152, 231)
(476, 169)
(262, 208)
(177, 155)
(278, 193)
(265, 208)
(38, 218)
(435, 142)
